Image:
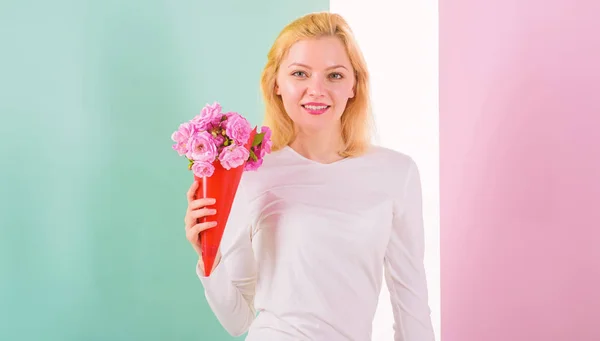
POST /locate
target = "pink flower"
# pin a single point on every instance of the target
(211, 109)
(203, 168)
(233, 156)
(209, 118)
(181, 137)
(266, 142)
(237, 128)
(201, 147)
(253, 165)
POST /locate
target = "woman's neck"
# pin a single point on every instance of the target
(323, 146)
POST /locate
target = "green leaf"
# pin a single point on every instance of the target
(253, 156)
(258, 138)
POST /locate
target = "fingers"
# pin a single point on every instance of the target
(200, 213)
(194, 204)
(197, 208)
(192, 215)
(192, 233)
(191, 193)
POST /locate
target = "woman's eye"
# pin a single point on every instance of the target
(336, 75)
(299, 74)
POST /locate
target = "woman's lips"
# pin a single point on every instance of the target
(315, 108)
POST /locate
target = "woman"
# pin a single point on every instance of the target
(312, 231)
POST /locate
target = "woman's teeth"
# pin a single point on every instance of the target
(311, 107)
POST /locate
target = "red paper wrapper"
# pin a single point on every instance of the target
(222, 186)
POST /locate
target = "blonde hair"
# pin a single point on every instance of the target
(356, 120)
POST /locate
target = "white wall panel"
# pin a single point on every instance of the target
(400, 42)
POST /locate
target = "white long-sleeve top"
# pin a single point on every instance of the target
(307, 245)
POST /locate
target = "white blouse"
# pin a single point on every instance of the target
(307, 245)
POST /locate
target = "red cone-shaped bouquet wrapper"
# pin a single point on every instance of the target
(222, 186)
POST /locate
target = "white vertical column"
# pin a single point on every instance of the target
(400, 42)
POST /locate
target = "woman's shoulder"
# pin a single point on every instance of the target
(387, 158)
(392, 170)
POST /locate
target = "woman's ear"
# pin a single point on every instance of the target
(353, 90)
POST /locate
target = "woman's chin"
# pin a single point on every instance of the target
(319, 126)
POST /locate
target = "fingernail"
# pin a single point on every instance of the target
(214, 223)
(213, 200)
(213, 211)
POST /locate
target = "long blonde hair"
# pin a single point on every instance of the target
(356, 120)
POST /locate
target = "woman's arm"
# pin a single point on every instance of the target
(229, 289)
(404, 267)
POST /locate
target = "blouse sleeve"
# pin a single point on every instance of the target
(230, 288)
(404, 264)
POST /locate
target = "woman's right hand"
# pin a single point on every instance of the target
(198, 208)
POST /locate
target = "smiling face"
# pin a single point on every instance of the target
(315, 81)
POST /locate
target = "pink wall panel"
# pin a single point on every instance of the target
(520, 170)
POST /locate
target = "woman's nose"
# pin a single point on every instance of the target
(316, 87)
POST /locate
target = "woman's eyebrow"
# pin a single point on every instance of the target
(308, 67)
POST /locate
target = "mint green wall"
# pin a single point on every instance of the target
(92, 245)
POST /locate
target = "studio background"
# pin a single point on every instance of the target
(92, 244)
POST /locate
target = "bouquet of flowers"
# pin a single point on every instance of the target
(224, 137)
(219, 146)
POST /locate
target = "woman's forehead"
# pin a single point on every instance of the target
(321, 53)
